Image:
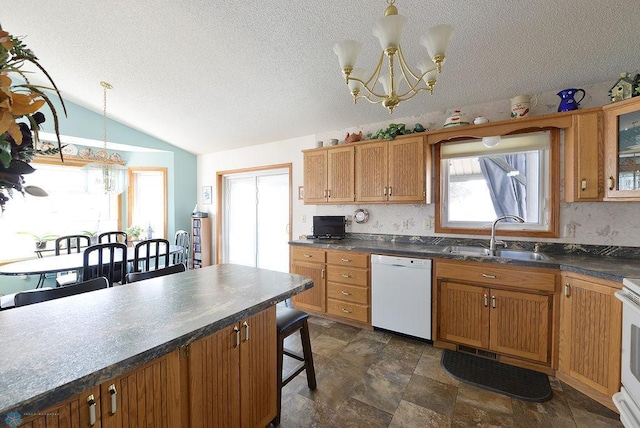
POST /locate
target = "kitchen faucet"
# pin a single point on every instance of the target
(493, 241)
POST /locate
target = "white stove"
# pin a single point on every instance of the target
(628, 399)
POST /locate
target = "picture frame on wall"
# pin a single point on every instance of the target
(207, 194)
(300, 193)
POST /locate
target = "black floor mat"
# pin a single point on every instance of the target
(513, 381)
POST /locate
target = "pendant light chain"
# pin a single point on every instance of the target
(105, 86)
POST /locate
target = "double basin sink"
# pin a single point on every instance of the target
(485, 252)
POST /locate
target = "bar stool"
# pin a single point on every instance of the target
(289, 321)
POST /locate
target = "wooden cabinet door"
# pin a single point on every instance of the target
(590, 335)
(463, 314)
(74, 412)
(258, 369)
(315, 176)
(520, 324)
(214, 380)
(313, 299)
(148, 396)
(371, 172)
(407, 174)
(584, 158)
(340, 175)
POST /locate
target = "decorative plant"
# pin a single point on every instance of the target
(134, 232)
(395, 129)
(18, 139)
(41, 240)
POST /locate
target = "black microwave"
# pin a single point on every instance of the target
(328, 227)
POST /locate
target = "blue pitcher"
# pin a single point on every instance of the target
(568, 101)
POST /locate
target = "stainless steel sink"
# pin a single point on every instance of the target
(484, 252)
(466, 251)
(520, 254)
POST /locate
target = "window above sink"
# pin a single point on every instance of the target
(480, 181)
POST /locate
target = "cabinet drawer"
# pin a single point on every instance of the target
(348, 293)
(348, 275)
(307, 254)
(530, 279)
(348, 258)
(348, 310)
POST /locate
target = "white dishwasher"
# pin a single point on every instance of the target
(401, 295)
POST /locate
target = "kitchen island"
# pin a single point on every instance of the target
(57, 349)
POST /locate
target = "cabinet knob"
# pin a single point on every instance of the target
(92, 409)
(114, 396)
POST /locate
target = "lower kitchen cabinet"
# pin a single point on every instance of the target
(341, 280)
(590, 336)
(82, 410)
(310, 262)
(147, 396)
(232, 375)
(496, 309)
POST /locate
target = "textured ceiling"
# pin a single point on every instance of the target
(213, 75)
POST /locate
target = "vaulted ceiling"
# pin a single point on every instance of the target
(212, 75)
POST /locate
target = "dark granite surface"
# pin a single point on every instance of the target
(613, 263)
(54, 350)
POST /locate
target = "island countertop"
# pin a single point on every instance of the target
(56, 349)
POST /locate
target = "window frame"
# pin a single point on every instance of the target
(131, 188)
(552, 231)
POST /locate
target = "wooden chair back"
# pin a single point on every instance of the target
(28, 298)
(139, 276)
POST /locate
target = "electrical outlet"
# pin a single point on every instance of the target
(304, 218)
(405, 224)
(426, 224)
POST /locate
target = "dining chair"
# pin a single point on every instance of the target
(113, 236)
(105, 260)
(149, 254)
(183, 239)
(139, 276)
(30, 297)
(67, 245)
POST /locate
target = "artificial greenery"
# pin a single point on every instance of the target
(18, 139)
(393, 130)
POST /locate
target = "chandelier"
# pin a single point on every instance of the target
(388, 31)
(104, 176)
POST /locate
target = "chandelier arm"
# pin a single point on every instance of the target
(404, 66)
(413, 94)
(370, 91)
(368, 98)
(375, 75)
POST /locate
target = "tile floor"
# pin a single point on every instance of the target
(375, 379)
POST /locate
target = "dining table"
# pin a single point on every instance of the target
(69, 262)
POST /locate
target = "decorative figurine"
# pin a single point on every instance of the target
(352, 138)
(622, 89)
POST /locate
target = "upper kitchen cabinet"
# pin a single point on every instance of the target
(583, 157)
(622, 150)
(329, 175)
(392, 171)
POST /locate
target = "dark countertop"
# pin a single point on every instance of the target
(612, 268)
(54, 350)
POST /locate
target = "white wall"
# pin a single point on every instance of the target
(599, 223)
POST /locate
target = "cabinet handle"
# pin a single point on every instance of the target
(389, 190)
(236, 330)
(246, 331)
(92, 409)
(329, 193)
(567, 289)
(345, 311)
(307, 255)
(324, 193)
(486, 300)
(493, 302)
(584, 184)
(345, 260)
(611, 183)
(322, 273)
(385, 191)
(344, 293)
(114, 394)
(344, 275)
(486, 275)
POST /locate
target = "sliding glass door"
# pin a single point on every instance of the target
(256, 219)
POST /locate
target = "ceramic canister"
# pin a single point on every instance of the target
(521, 105)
